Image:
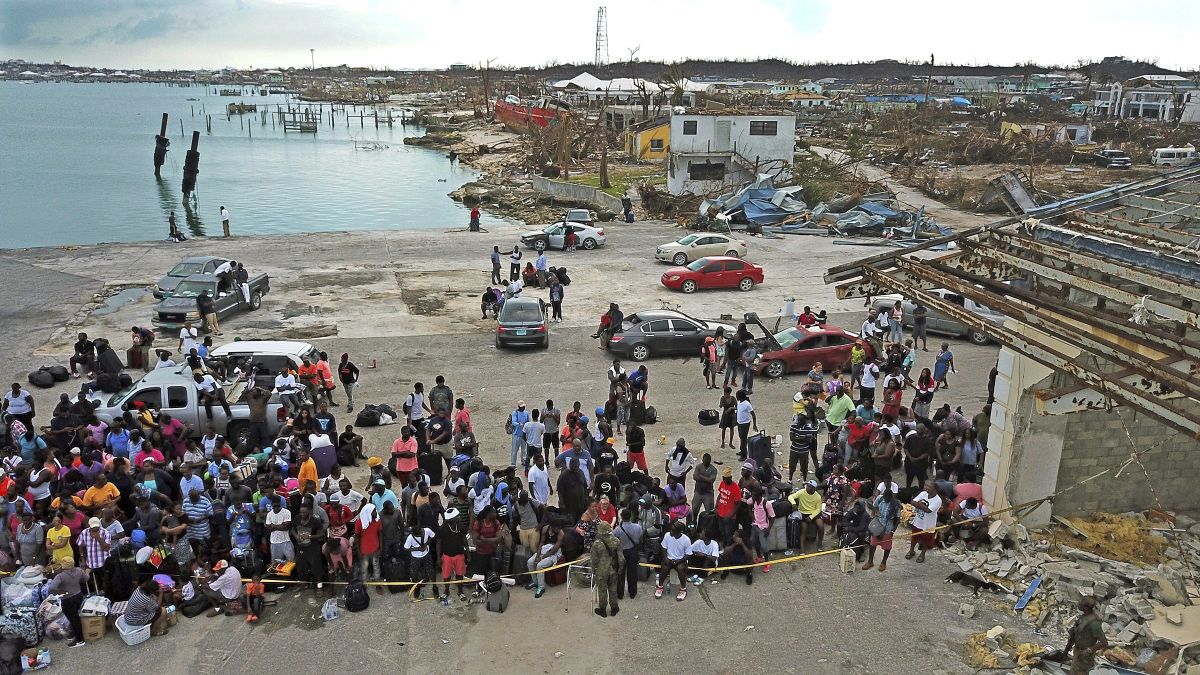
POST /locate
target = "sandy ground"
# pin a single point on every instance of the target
(405, 300)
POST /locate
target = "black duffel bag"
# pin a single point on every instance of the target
(708, 418)
(367, 417)
(41, 378)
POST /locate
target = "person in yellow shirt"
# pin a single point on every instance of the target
(808, 507)
(58, 544)
(101, 494)
(307, 472)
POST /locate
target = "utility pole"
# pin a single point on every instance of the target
(487, 97)
(929, 80)
(312, 54)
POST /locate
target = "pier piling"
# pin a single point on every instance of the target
(191, 166)
(161, 144)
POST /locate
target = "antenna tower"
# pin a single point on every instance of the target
(601, 36)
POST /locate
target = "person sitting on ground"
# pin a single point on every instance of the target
(703, 555)
(738, 552)
(807, 504)
(963, 523)
(529, 275)
(677, 546)
(255, 589)
(489, 302)
(145, 608)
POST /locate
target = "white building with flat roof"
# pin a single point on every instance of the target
(710, 151)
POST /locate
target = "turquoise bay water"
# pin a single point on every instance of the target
(76, 167)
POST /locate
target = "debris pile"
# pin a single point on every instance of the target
(1140, 572)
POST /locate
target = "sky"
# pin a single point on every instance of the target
(407, 34)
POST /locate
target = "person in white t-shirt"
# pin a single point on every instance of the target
(926, 505)
(187, 338)
(419, 546)
(289, 391)
(703, 555)
(539, 480)
(279, 521)
(210, 392)
(677, 547)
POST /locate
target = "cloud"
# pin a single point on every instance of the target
(382, 33)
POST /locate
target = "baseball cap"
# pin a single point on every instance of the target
(709, 339)
(374, 461)
(812, 483)
(610, 440)
(379, 481)
(221, 564)
(521, 404)
(93, 522)
(747, 466)
(728, 472)
(798, 397)
(451, 513)
(76, 451)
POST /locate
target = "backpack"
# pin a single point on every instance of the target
(357, 599)
(508, 425)
(651, 415)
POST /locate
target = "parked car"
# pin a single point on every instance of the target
(713, 272)
(522, 321)
(687, 249)
(554, 235)
(582, 216)
(196, 264)
(936, 322)
(173, 391)
(662, 332)
(795, 350)
(170, 312)
(1112, 159)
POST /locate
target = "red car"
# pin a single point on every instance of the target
(716, 271)
(795, 350)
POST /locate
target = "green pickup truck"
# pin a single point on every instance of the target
(180, 306)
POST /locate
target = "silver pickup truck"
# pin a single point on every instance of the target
(173, 391)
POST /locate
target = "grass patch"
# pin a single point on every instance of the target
(621, 178)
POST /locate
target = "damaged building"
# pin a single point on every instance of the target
(715, 150)
(1097, 387)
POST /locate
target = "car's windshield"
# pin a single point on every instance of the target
(688, 239)
(191, 289)
(184, 269)
(119, 398)
(520, 312)
(788, 337)
(698, 264)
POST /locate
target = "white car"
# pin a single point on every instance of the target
(700, 245)
(553, 236)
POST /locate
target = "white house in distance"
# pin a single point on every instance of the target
(1156, 97)
(713, 150)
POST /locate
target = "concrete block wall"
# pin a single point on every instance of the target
(573, 192)
(1095, 440)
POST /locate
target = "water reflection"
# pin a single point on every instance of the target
(191, 217)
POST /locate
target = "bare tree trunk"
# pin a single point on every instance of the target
(604, 183)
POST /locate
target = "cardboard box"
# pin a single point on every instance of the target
(93, 627)
(846, 561)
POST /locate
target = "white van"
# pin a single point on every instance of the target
(1174, 156)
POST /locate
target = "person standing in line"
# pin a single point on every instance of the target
(516, 424)
(225, 220)
(552, 418)
(920, 314)
(348, 373)
(535, 433)
(608, 568)
(745, 417)
(556, 298)
(896, 323)
(496, 265)
(943, 364)
(415, 408)
(514, 264)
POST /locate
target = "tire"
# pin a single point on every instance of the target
(539, 245)
(775, 369)
(745, 284)
(688, 286)
(589, 244)
(546, 342)
(978, 338)
(679, 260)
(255, 301)
(639, 352)
(499, 344)
(732, 253)
(238, 433)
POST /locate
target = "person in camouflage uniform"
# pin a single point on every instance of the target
(1086, 638)
(608, 566)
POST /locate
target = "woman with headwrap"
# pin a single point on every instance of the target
(481, 491)
(680, 462)
(608, 564)
(572, 491)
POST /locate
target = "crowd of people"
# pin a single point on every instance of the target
(156, 517)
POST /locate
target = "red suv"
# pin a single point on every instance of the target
(795, 350)
(713, 272)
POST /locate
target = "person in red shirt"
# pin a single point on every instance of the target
(325, 378)
(807, 318)
(728, 496)
(859, 434)
(367, 529)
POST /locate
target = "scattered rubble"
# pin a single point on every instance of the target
(1138, 571)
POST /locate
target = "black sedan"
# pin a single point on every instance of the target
(522, 321)
(662, 332)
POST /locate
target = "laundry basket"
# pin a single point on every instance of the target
(132, 636)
